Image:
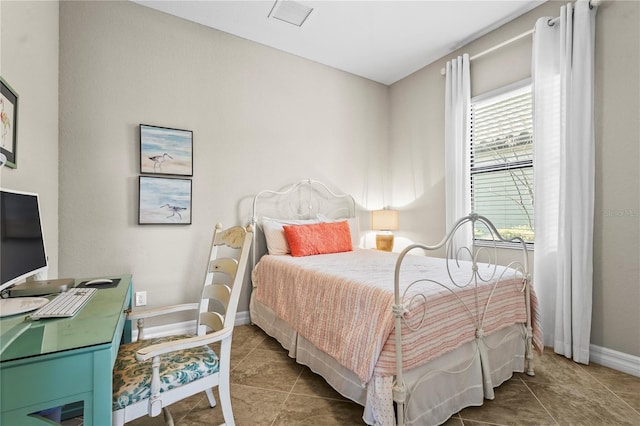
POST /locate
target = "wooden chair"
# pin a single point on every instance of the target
(149, 375)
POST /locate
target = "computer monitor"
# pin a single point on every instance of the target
(22, 249)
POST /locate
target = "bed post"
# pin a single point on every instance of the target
(399, 388)
(529, 342)
(254, 251)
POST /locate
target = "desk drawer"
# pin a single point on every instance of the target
(37, 380)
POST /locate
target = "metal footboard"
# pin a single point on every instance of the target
(481, 273)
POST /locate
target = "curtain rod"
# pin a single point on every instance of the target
(496, 47)
(501, 45)
(592, 4)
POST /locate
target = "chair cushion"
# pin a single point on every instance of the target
(132, 379)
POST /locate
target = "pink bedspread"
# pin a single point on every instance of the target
(342, 303)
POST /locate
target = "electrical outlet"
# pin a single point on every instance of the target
(141, 298)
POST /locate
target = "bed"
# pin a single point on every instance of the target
(413, 338)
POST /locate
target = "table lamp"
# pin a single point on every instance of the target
(384, 221)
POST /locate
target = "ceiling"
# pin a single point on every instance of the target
(380, 40)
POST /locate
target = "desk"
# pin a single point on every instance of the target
(53, 362)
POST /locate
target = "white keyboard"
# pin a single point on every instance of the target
(65, 304)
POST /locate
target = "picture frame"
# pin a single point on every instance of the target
(166, 151)
(164, 201)
(8, 123)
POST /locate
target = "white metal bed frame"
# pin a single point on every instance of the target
(401, 395)
(310, 199)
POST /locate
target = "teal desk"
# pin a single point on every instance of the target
(53, 362)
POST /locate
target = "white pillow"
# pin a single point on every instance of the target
(354, 227)
(274, 233)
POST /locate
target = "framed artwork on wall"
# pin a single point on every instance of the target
(164, 201)
(9, 123)
(166, 151)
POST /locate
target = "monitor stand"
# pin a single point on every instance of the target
(41, 288)
(20, 305)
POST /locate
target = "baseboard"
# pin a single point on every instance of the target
(243, 318)
(620, 361)
(183, 327)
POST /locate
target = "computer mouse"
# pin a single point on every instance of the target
(99, 281)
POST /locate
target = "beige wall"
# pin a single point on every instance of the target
(616, 251)
(261, 119)
(29, 63)
(417, 135)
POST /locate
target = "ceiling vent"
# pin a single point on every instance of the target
(290, 11)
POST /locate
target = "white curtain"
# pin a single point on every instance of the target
(457, 146)
(564, 149)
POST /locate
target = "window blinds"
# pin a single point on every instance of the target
(502, 163)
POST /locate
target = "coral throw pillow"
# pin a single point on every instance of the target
(318, 238)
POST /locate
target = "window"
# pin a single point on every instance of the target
(502, 161)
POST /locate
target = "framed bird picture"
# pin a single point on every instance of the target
(8, 123)
(164, 201)
(166, 151)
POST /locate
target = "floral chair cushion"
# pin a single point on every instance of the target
(132, 379)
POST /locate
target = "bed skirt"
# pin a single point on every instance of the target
(440, 388)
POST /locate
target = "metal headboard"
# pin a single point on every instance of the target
(306, 199)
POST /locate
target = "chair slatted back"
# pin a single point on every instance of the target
(223, 280)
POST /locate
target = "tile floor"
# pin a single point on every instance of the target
(269, 388)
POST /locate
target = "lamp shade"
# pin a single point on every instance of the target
(384, 220)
